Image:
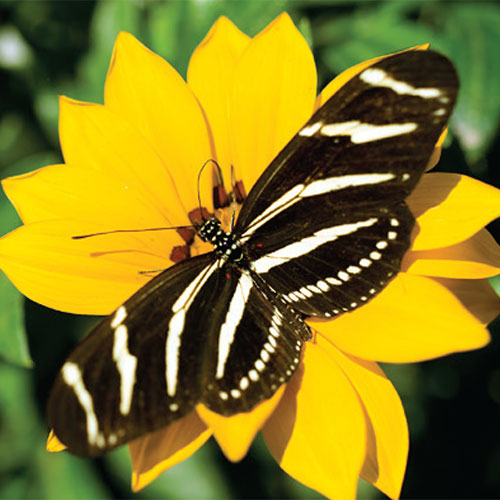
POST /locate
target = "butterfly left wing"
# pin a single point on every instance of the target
(114, 387)
(326, 224)
(204, 331)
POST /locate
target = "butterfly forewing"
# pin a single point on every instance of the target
(326, 224)
(113, 387)
(370, 142)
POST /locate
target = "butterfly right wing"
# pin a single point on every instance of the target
(326, 225)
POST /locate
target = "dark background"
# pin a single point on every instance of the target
(48, 48)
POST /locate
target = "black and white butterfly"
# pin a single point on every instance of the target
(323, 231)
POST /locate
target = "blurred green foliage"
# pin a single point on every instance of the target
(64, 47)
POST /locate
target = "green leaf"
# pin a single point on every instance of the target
(13, 342)
(20, 430)
(109, 19)
(177, 28)
(63, 476)
(370, 32)
(473, 38)
(15, 53)
(495, 283)
(165, 29)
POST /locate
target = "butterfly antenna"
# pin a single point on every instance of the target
(233, 187)
(219, 170)
(83, 236)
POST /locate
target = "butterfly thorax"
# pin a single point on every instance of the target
(225, 244)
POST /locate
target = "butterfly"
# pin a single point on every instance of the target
(322, 232)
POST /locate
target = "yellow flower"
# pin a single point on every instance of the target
(133, 163)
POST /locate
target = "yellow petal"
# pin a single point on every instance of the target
(340, 80)
(210, 76)
(145, 90)
(412, 319)
(451, 208)
(93, 137)
(158, 451)
(318, 433)
(442, 137)
(235, 434)
(476, 257)
(273, 95)
(53, 444)
(89, 276)
(63, 191)
(477, 296)
(387, 446)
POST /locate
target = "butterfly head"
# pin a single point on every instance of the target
(210, 230)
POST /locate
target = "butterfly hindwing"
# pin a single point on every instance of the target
(258, 346)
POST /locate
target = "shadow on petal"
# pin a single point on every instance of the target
(387, 430)
(450, 208)
(318, 432)
(413, 319)
(473, 258)
(477, 296)
(158, 451)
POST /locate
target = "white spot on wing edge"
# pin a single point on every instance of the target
(310, 130)
(259, 364)
(233, 317)
(72, 375)
(126, 364)
(120, 315)
(176, 325)
(333, 281)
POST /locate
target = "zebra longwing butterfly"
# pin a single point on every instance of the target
(323, 231)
